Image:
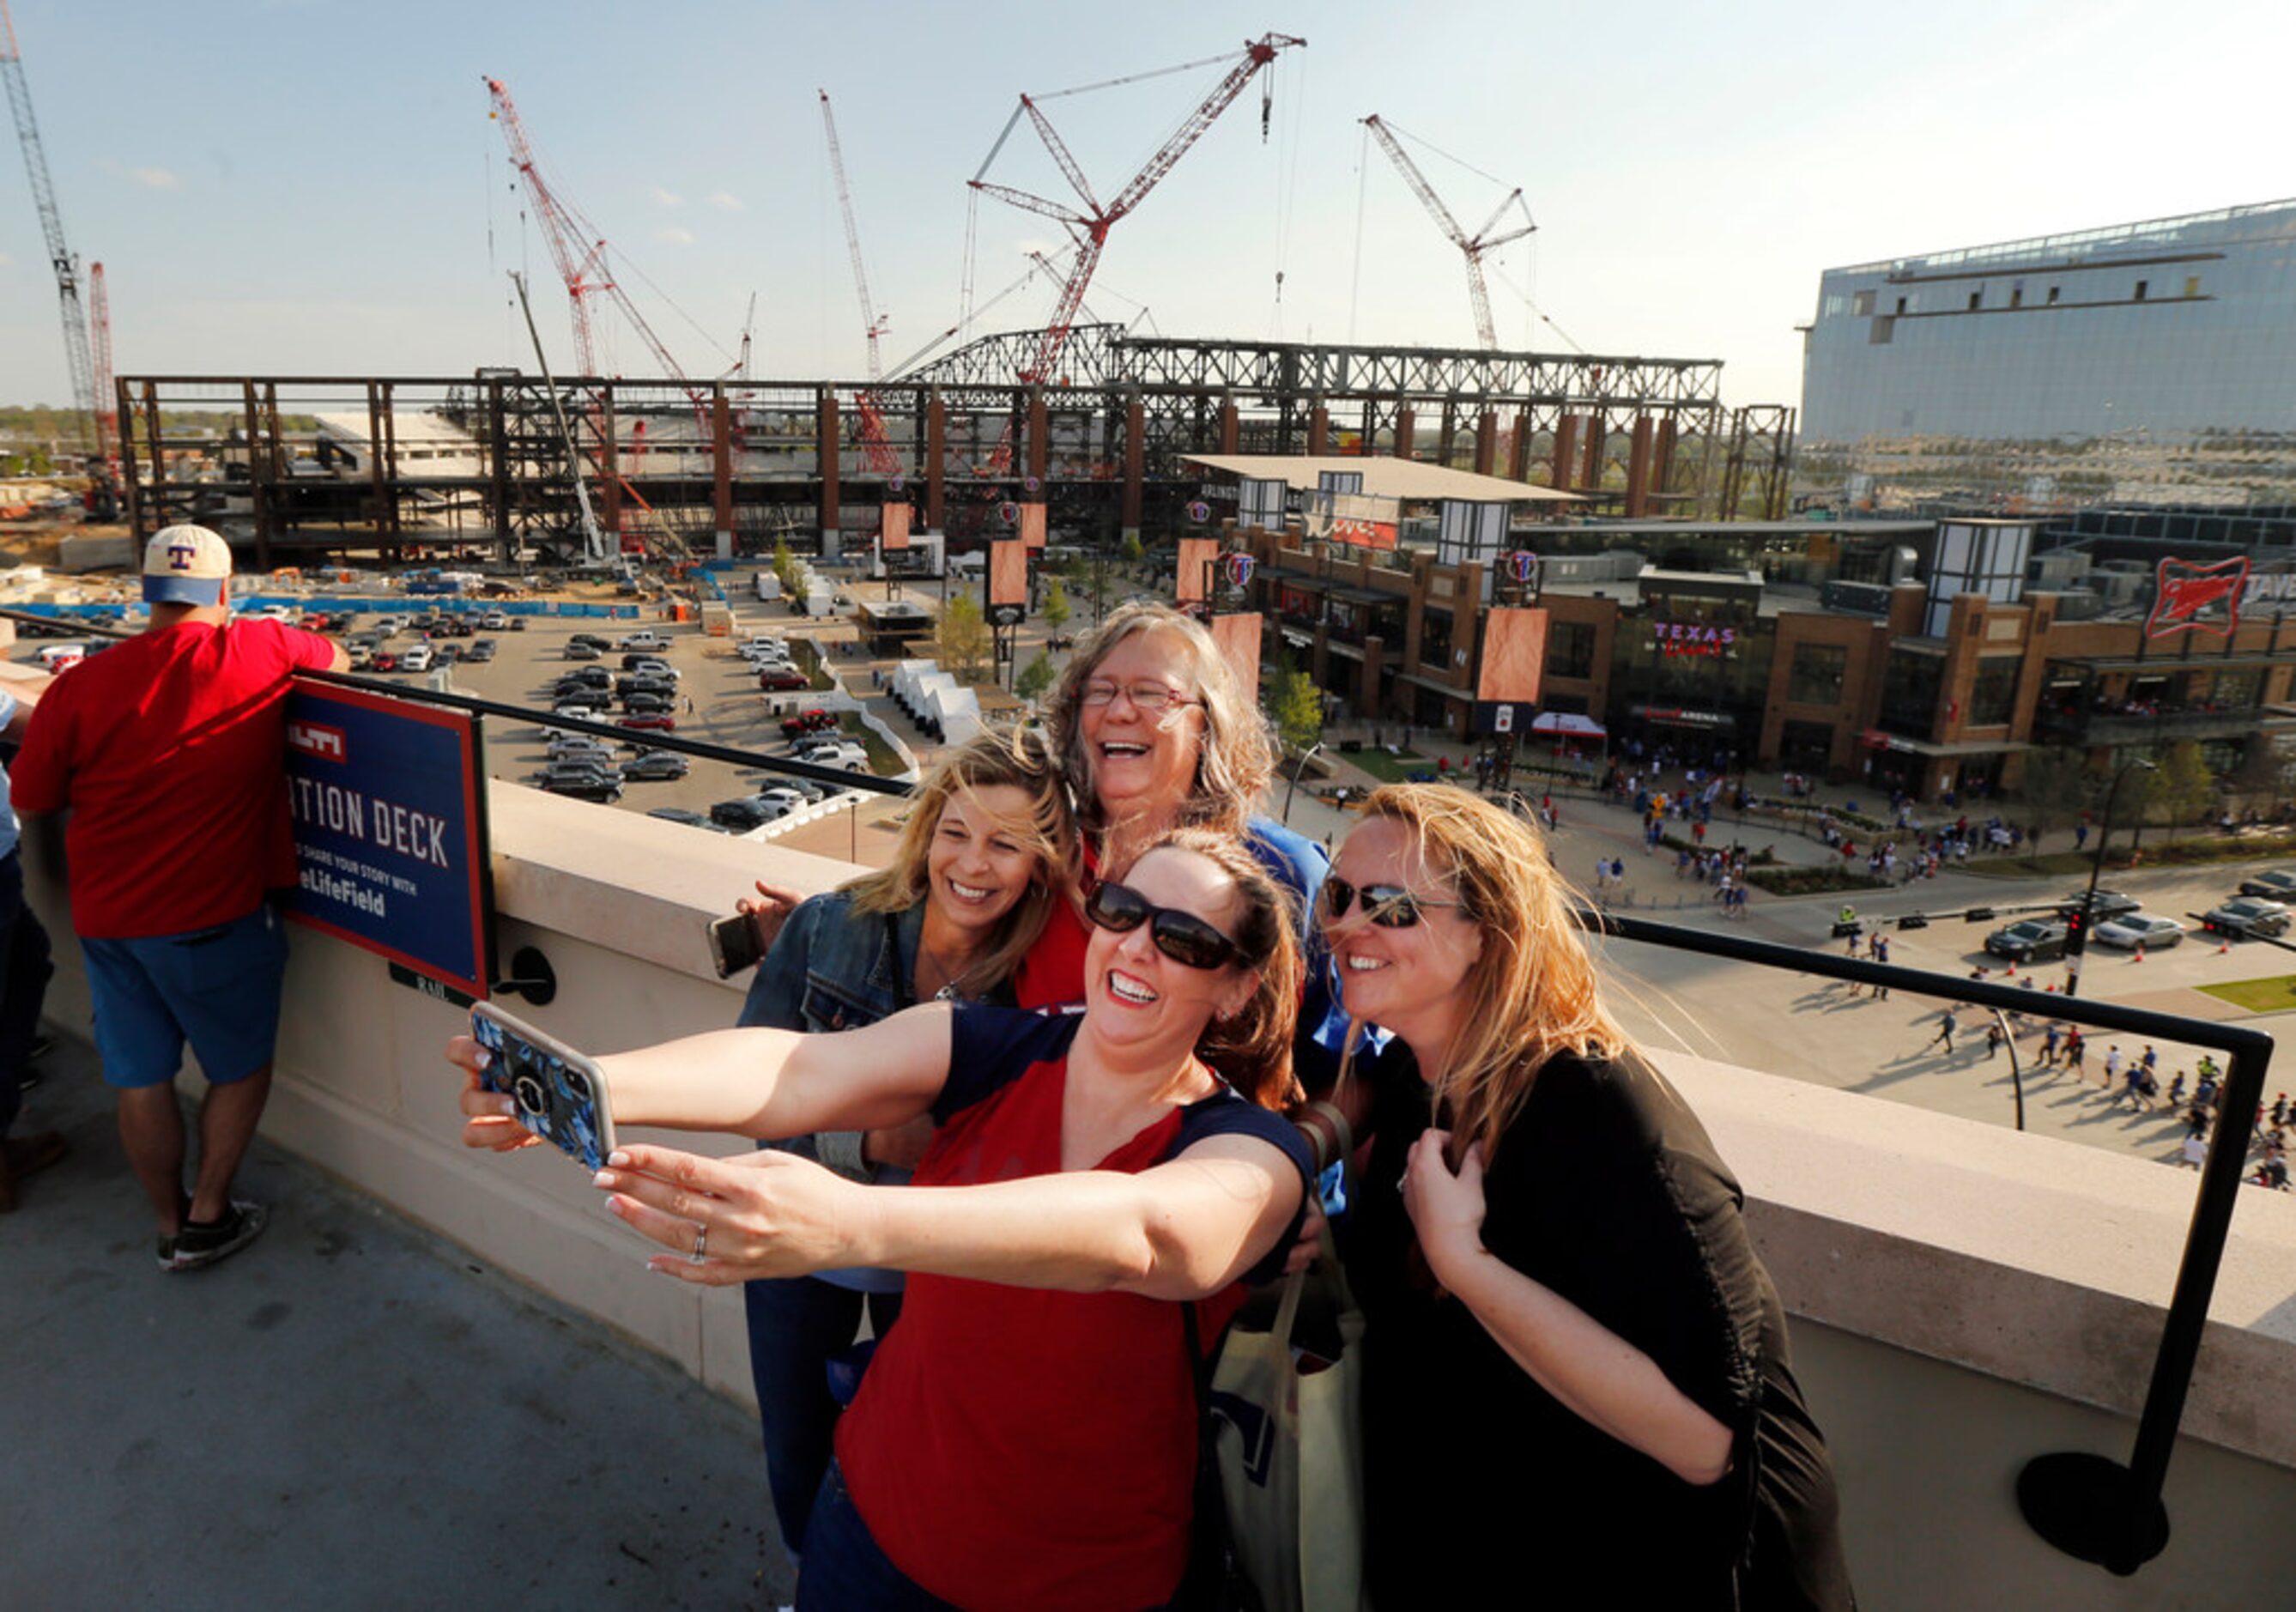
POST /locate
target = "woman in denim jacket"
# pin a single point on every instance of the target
(985, 852)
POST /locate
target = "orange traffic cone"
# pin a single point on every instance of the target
(2053, 984)
(2224, 946)
(2140, 953)
(2013, 968)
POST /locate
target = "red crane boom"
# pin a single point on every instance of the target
(1089, 229)
(1471, 247)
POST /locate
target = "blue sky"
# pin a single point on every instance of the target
(308, 187)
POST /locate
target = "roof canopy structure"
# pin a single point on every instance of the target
(1404, 480)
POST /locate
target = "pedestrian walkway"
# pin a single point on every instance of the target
(352, 1413)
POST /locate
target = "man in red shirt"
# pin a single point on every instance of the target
(168, 750)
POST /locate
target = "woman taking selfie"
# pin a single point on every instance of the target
(984, 853)
(1576, 1382)
(1026, 1435)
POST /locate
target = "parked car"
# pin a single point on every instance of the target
(645, 637)
(590, 639)
(656, 766)
(679, 814)
(479, 649)
(808, 721)
(577, 651)
(2278, 883)
(417, 658)
(605, 791)
(828, 750)
(2248, 916)
(774, 679)
(651, 721)
(639, 682)
(642, 703)
(495, 620)
(574, 772)
(578, 747)
(648, 662)
(447, 654)
(745, 814)
(588, 677)
(384, 660)
(2134, 929)
(2029, 941)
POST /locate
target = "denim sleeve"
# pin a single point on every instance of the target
(779, 985)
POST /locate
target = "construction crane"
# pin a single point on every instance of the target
(876, 449)
(1089, 229)
(579, 249)
(1471, 247)
(61, 258)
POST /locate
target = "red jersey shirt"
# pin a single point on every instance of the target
(1011, 1448)
(168, 749)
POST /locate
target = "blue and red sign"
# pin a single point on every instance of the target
(2195, 597)
(1239, 570)
(386, 801)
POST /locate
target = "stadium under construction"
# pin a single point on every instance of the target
(504, 462)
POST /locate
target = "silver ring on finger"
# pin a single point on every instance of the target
(700, 1245)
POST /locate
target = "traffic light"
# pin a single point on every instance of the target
(2076, 932)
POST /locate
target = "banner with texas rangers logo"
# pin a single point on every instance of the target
(388, 801)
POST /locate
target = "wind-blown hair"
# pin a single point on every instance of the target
(1021, 760)
(1251, 1048)
(1532, 993)
(1236, 761)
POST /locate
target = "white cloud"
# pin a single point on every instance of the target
(666, 198)
(157, 178)
(675, 237)
(725, 202)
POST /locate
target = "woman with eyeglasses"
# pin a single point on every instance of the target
(1026, 1436)
(1156, 734)
(1574, 1367)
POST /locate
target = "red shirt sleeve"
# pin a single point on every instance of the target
(39, 779)
(311, 651)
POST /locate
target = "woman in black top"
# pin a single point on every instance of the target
(1577, 1390)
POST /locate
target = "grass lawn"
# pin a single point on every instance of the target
(2259, 996)
(884, 760)
(1388, 768)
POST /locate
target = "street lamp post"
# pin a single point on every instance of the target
(1306, 756)
(2088, 901)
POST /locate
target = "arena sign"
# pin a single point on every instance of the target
(1690, 638)
(2193, 597)
(386, 801)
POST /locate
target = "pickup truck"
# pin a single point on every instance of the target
(645, 637)
(808, 721)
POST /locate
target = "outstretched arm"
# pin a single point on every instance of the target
(1597, 1375)
(1182, 1230)
(762, 1083)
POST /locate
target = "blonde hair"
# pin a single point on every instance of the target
(1235, 761)
(1531, 994)
(1021, 760)
(1251, 1048)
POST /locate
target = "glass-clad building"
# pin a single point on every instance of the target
(2149, 363)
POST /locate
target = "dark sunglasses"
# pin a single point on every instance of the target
(1182, 936)
(1389, 906)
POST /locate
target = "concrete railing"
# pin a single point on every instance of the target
(1965, 1297)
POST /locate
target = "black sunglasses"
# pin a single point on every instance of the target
(1182, 936)
(1389, 906)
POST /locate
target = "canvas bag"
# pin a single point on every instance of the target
(1289, 1443)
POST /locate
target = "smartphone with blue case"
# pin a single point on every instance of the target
(560, 1094)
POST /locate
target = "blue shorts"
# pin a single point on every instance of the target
(217, 988)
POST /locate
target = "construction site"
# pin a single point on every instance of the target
(1089, 418)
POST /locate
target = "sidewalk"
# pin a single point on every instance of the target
(351, 1411)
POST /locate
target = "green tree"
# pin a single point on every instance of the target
(2180, 788)
(2057, 789)
(1297, 709)
(1035, 677)
(961, 637)
(1130, 551)
(1056, 608)
(784, 563)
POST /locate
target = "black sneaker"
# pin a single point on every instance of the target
(40, 1047)
(197, 1245)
